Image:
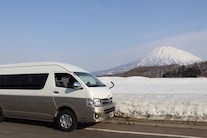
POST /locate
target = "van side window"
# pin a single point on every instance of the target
(23, 81)
(64, 80)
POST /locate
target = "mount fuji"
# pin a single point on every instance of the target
(159, 57)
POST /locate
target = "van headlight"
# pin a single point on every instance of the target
(94, 102)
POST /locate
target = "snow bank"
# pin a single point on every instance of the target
(160, 98)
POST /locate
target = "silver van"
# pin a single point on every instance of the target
(57, 92)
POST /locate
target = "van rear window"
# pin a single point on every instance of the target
(23, 81)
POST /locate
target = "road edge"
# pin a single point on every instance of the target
(158, 123)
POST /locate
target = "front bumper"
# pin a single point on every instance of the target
(98, 114)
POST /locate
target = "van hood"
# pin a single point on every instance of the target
(100, 92)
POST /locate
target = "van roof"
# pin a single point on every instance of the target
(69, 67)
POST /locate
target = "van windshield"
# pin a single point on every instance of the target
(89, 80)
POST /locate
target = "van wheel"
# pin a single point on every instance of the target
(1, 115)
(66, 121)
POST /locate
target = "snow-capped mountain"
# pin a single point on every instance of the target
(168, 56)
(159, 57)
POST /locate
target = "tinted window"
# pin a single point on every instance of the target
(23, 81)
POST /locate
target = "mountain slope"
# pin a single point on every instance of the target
(119, 69)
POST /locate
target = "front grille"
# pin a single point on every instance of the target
(109, 110)
(107, 101)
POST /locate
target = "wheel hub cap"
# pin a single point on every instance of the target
(65, 121)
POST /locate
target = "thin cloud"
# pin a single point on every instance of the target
(194, 42)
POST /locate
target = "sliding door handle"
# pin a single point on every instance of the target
(56, 92)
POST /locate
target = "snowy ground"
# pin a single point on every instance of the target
(160, 98)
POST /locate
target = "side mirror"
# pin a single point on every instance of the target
(77, 86)
(112, 85)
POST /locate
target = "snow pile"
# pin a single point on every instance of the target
(160, 98)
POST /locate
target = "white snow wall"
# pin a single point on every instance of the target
(160, 98)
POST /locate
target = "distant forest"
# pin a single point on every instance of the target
(170, 71)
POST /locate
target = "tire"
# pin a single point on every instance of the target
(1, 115)
(66, 121)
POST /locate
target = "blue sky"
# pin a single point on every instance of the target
(99, 34)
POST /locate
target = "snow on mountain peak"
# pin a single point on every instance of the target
(167, 56)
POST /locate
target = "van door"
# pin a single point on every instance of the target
(65, 94)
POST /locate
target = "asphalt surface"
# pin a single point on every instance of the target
(115, 128)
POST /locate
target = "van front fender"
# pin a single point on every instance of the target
(77, 105)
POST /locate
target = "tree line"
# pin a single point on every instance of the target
(169, 71)
(194, 70)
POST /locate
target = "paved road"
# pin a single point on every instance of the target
(33, 129)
